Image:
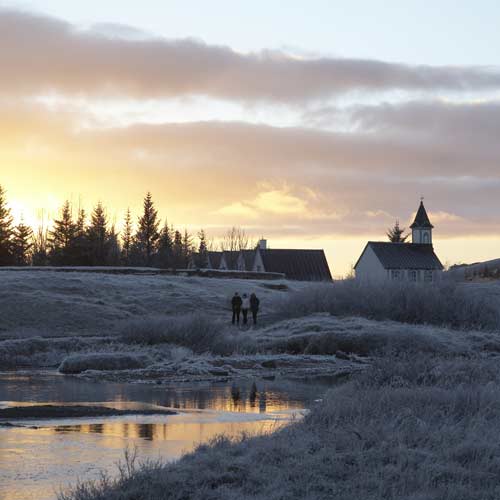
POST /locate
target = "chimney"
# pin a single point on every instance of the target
(262, 244)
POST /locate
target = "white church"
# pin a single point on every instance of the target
(415, 261)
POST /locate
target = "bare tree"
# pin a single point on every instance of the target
(236, 239)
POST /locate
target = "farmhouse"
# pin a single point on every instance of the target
(303, 265)
(415, 261)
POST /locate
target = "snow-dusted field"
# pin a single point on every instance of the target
(49, 304)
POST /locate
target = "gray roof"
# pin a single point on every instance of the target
(231, 258)
(214, 259)
(303, 265)
(248, 258)
(404, 255)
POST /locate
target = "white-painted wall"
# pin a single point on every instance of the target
(421, 236)
(369, 267)
(258, 265)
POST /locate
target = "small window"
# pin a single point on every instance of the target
(426, 238)
(428, 276)
(412, 275)
(396, 274)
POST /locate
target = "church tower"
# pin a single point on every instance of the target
(421, 227)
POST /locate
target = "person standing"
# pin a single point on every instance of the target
(236, 305)
(245, 306)
(254, 307)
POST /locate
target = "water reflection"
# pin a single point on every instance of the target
(34, 463)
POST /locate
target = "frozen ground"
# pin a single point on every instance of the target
(49, 304)
(160, 328)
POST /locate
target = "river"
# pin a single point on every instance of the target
(42, 457)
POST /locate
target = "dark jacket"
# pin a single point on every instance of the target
(254, 303)
(236, 302)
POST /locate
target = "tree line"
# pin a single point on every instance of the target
(78, 239)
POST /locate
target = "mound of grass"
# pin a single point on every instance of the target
(197, 332)
(444, 304)
(78, 363)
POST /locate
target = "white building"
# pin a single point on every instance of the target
(415, 261)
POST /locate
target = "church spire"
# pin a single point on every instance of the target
(422, 227)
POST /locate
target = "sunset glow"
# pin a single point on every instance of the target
(302, 147)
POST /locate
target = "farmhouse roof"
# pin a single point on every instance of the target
(421, 219)
(248, 258)
(214, 259)
(231, 258)
(303, 265)
(404, 255)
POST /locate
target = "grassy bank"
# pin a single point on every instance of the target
(446, 304)
(410, 428)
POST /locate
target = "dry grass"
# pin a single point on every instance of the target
(411, 428)
(443, 304)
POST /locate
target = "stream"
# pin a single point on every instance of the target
(40, 458)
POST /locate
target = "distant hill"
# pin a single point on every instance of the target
(489, 269)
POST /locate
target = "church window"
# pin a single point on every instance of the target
(428, 277)
(412, 275)
(396, 274)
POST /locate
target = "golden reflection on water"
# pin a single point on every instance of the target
(34, 463)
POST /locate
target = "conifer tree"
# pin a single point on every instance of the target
(81, 247)
(165, 247)
(177, 250)
(114, 251)
(396, 235)
(22, 244)
(148, 231)
(40, 246)
(62, 238)
(187, 248)
(127, 239)
(202, 250)
(97, 236)
(5, 231)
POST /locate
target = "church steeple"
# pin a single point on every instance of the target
(422, 227)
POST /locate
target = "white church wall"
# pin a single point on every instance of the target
(369, 267)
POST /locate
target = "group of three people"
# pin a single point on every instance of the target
(244, 304)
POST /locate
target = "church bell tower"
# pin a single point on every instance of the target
(421, 228)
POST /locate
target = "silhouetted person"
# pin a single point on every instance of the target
(245, 306)
(236, 304)
(254, 307)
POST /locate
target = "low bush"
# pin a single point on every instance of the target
(444, 304)
(197, 332)
(78, 363)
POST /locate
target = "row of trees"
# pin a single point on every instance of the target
(78, 240)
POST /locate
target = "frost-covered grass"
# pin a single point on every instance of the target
(409, 428)
(447, 303)
(78, 363)
(198, 332)
(49, 304)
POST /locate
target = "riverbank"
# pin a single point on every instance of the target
(407, 428)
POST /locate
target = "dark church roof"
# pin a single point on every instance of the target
(421, 219)
(302, 265)
(404, 255)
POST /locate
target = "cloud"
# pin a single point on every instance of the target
(279, 180)
(42, 54)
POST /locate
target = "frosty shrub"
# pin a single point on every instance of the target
(78, 363)
(443, 304)
(197, 332)
(410, 428)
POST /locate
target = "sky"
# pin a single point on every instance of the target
(313, 124)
